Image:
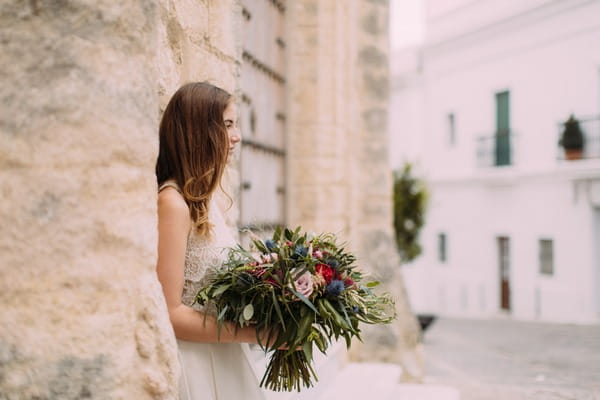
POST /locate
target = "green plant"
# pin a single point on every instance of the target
(572, 136)
(410, 200)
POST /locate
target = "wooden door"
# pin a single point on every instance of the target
(504, 269)
(597, 258)
(262, 116)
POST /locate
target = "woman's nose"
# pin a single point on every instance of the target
(235, 137)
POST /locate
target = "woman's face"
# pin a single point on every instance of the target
(231, 123)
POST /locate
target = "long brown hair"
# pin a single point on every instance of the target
(194, 145)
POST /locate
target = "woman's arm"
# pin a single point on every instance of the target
(173, 227)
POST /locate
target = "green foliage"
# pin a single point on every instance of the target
(572, 137)
(410, 200)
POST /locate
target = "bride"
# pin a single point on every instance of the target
(198, 133)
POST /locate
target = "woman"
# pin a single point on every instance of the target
(198, 133)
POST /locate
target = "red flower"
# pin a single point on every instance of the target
(272, 281)
(348, 282)
(326, 271)
(258, 271)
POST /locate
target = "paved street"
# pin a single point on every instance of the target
(502, 359)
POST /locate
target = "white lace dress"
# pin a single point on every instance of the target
(209, 371)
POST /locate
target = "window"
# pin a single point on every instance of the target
(546, 257)
(502, 137)
(451, 129)
(442, 250)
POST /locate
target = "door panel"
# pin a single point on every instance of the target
(262, 116)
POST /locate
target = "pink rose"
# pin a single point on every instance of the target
(257, 256)
(318, 254)
(304, 284)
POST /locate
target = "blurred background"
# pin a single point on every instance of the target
(454, 144)
(495, 107)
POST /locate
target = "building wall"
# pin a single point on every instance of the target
(545, 54)
(407, 107)
(468, 283)
(82, 311)
(542, 56)
(448, 19)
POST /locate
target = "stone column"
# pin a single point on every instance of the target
(375, 199)
(198, 41)
(339, 178)
(83, 314)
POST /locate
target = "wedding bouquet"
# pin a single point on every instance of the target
(298, 291)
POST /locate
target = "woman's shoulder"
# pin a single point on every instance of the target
(172, 205)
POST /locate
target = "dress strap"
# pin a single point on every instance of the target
(170, 183)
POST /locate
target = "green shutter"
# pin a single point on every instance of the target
(502, 150)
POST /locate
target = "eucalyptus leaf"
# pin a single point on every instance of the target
(277, 234)
(307, 349)
(222, 313)
(278, 310)
(306, 301)
(248, 312)
(220, 290)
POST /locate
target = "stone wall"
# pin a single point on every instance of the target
(83, 82)
(339, 179)
(198, 40)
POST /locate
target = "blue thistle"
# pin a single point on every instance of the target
(335, 288)
(333, 263)
(271, 245)
(300, 251)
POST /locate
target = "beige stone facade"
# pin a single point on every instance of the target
(83, 85)
(339, 179)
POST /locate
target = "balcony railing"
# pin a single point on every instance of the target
(590, 127)
(496, 150)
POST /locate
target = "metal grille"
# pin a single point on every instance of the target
(496, 150)
(262, 116)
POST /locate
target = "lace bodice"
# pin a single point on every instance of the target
(203, 254)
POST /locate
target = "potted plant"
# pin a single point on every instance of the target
(572, 139)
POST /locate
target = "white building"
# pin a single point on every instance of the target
(512, 226)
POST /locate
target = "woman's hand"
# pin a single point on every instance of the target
(264, 334)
